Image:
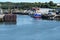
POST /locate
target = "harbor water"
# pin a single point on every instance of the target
(28, 28)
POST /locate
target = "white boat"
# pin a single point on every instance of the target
(36, 13)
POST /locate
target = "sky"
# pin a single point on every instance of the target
(55, 1)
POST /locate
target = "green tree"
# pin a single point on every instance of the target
(51, 3)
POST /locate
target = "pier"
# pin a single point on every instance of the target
(7, 18)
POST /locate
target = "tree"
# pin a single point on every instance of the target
(51, 3)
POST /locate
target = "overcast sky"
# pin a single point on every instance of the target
(56, 1)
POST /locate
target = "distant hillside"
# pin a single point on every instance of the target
(25, 5)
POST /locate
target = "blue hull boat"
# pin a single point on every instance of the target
(36, 15)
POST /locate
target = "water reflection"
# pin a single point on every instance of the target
(8, 23)
(46, 19)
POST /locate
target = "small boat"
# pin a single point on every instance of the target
(36, 13)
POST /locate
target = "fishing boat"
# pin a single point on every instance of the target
(36, 13)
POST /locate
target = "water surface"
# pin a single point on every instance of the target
(28, 28)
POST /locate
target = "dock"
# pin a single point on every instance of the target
(51, 17)
(8, 18)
